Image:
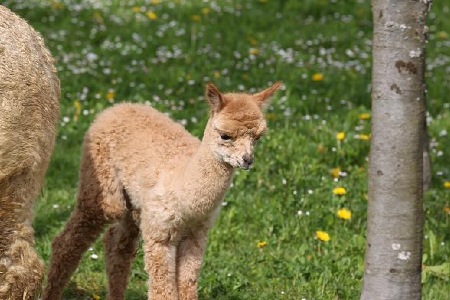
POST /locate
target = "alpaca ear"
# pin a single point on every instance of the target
(262, 98)
(214, 97)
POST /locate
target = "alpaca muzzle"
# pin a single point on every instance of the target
(247, 161)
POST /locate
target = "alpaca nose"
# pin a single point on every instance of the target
(248, 161)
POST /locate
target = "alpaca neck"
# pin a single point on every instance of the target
(204, 180)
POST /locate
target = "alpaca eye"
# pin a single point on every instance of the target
(225, 137)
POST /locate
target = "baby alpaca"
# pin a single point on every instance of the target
(142, 172)
(29, 107)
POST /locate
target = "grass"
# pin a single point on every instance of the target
(163, 52)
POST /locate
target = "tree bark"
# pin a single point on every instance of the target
(395, 215)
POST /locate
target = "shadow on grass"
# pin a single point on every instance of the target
(73, 292)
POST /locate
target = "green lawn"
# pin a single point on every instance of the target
(163, 52)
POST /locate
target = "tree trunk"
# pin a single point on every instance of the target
(395, 216)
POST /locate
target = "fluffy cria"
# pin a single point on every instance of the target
(143, 173)
(29, 107)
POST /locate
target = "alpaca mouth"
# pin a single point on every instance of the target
(246, 165)
(242, 165)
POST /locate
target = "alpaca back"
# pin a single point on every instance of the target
(139, 143)
(29, 97)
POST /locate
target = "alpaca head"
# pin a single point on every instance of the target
(236, 123)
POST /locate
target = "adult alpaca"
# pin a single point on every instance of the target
(29, 108)
(144, 172)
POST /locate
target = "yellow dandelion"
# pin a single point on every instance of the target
(151, 15)
(155, 2)
(447, 184)
(136, 9)
(340, 136)
(252, 41)
(196, 18)
(97, 18)
(271, 117)
(364, 116)
(339, 191)
(56, 5)
(321, 149)
(206, 11)
(245, 76)
(95, 297)
(261, 245)
(447, 210)
(335, 172)
(110, 96)
(77, 106)
(363, 137)
(216, 74)
(253, 51)
(442, 35)
(322, 235)
(317, 77)
(344, 214)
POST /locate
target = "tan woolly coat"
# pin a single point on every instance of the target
(125, 139)
(29, 107)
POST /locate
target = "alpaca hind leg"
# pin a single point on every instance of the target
(68, 248)
(121, 242)
(100, 202)
(189, 261)
(21, 270)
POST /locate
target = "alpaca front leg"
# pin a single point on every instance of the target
(160, 266)
(189, 261)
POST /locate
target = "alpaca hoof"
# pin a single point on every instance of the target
(22, 279)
